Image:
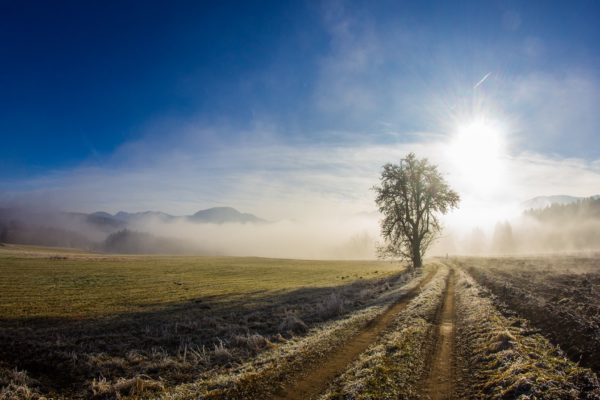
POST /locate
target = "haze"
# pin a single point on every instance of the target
(288, 112)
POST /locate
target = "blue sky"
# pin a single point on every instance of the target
(183, 105)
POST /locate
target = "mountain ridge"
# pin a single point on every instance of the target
(213, 215)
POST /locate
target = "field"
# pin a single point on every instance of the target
(77, 326)
(558, 295)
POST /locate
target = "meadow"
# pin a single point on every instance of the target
(71, 318)
(78, 325)
(38, 282)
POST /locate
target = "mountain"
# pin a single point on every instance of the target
(540, 202)
(122, 219)
(73, 229)
(215, 215)
(129, 217)
(222, 215)
(103, 220)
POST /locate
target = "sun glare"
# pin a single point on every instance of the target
(477, 150)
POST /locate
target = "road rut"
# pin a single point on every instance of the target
(439, 385)
(316, 380)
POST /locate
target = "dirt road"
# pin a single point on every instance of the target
(439, 384)
(316, 380)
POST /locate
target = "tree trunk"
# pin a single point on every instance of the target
(416, 256)
(417, 262)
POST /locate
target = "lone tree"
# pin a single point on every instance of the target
(411, 197)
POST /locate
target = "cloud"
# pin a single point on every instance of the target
(279, 180)
(319, 195)
(557, 112)
(404, 75)
(345, 75)
(380, 92)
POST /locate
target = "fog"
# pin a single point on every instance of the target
(557, 229)
(500, 134)
(524, 235)
(351, 237)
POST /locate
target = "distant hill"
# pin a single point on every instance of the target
(541, 202)
(104, 230)
(103, 220)
(215, 215)
(222, 215)
(159, 215)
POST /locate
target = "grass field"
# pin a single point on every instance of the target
(71, 319)
(46, 282)
(76, 325)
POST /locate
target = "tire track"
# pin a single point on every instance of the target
(315, 381)
(439, 384)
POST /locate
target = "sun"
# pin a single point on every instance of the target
(477, 150)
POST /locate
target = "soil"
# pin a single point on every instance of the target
(564, 306)
(317, 377)
(439, 385)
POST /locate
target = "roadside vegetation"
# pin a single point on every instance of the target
(127, 325)
(396, 365)
(267, 374)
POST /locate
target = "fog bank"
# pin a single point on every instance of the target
(351, 237)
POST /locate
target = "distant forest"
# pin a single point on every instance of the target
(587, 209)
(569, 227)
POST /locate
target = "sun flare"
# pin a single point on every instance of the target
(477, 150)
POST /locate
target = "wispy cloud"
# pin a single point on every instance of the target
(379, 93)
(281, 180)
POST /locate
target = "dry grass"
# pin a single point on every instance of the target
(83, 324)
(17, 385)
(137, 387)
(394, 367)
(264, 375)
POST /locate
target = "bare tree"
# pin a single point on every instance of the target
(411, 196)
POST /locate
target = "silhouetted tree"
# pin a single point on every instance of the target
(476, 241)
(411, 196)
(3, 234)
(503, 238)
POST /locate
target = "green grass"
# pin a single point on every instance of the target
(43, 282)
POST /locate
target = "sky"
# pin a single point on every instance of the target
(289, 109)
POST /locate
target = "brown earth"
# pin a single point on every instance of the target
(560, 297)
(439, 384)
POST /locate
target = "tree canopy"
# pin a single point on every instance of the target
(411, 197)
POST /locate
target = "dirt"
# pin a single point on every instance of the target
(564, 306)
(318, 377)
(439, 384)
